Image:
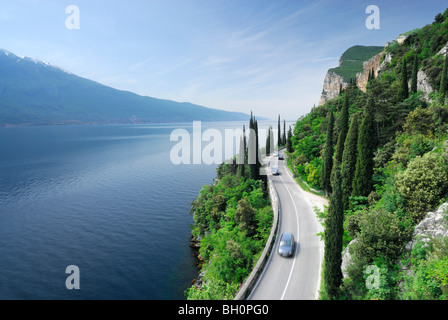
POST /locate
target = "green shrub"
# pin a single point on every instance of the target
(425, 273)
(381, 234)
(423, 184)
(380, 241)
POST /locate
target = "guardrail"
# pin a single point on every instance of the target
(251, 280)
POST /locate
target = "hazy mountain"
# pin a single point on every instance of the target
(35, 92)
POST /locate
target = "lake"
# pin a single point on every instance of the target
(105, 198)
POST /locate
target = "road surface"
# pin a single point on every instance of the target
(296, 277)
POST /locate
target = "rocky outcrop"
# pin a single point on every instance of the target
(422, 79)
(434, 225)
(386, 61)
(195, 244)
(373, 64)
(332, 86)
(347, 258)
(388, 43)
(401, 39)
(444, 50)
(423, 84)
(199, 281)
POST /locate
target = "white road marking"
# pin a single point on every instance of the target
(321, 251)
(277, 239)
(295, 253)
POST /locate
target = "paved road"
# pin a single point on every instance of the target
(297, 277)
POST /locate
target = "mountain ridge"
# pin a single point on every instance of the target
(33, 92)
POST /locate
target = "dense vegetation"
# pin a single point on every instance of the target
(232, 222)
(382, 157)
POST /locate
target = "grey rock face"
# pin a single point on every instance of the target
(332, 84)
(434, 225)
(423, 84)
(372, 64)
(346, 258)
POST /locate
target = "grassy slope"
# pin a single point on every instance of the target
(352, 60)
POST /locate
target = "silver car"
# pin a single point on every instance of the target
(286, 246)
(275, 171)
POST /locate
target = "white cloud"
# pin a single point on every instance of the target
(325, 59)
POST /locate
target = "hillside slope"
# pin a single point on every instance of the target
(382, 155)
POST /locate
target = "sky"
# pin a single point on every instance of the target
(265, 56)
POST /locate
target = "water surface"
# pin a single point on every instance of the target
(104, 198)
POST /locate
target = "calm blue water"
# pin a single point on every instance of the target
(104, 198)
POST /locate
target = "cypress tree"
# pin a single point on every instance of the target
(241, 158)
(289, 141)
(334, 231)
(349, 156)
(343, 129)
(279, 138)
(284, 133)
(268, 141)
(245, 144)
(414, 75)
(327, 163)
(362, 182)
(257, 152)
(444, 81)
(403, 90)
(252, 149)
(251, 126)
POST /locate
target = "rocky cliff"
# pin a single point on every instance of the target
(434, 225)
(422, 79)
(332, 86)
(354, 60)
(372, 64)
(423, 84)
(333, 82)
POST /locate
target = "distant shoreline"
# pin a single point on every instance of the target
(82, 123)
